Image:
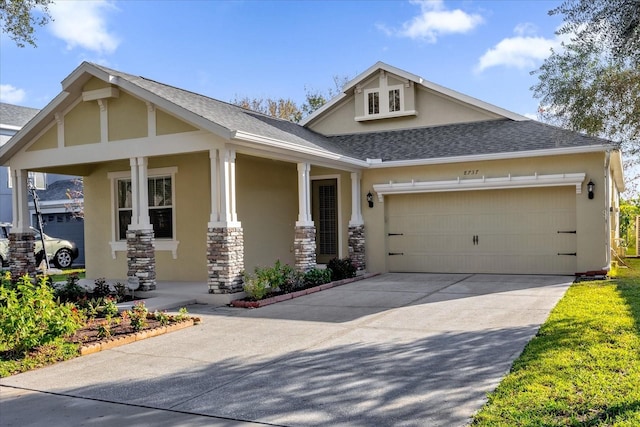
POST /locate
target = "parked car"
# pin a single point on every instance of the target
(60, 252)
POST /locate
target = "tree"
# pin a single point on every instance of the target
(19, 17)
(280, 108)
(592, 84)
(287, 109)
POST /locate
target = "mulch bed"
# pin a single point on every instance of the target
(123, 333)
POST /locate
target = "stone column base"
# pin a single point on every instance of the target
(304, 247)
(225, 259)
(141, 258)
(356, 247)
(22, 260)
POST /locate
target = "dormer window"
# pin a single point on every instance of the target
(374, 102)
(384, 98)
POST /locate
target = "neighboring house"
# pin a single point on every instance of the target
(399, 173)
(51, 187)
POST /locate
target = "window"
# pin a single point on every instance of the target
(394, 100)
(160, 193)
(374, 102)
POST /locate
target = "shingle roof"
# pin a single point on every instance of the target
(14, 115)
(231, 117)
(486, 137)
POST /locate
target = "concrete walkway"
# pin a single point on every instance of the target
(396, 349)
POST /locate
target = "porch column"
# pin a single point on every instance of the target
(22, 260)
(356, 225)
(304, 244)
(141, 257)
(225, 239)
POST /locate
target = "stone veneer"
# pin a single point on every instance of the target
(22, 260)
(356, 247)
(225, 259)
(304, 246)
(141, 258)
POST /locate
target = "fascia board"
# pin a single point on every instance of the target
(618, 170)
(278, 144)
(376, 164)
(24, 135)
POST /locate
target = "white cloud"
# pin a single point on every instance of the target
(11, 95)
(83, 24)
(434, 21)
(523, 51)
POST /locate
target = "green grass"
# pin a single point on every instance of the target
(65, 273)
(56, 351)
(583, 366)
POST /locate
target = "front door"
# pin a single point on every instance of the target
(324, 212)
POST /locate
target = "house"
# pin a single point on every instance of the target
(397, 172)
(52, 188)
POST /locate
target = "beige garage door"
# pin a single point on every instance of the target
(521, 231)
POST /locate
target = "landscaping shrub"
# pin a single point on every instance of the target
(275, 276)
(71, 291)
(341, 269)
(293, 282)
(317, 277)
(101, 288)
(30, 316)
(138, 316)
(254, 287)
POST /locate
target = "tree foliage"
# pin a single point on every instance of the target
(287, 109)
(19, 17)
(592, 84)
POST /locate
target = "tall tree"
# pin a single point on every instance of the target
(592, 84)
(19, 17)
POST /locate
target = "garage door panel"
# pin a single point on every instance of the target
(518, 231)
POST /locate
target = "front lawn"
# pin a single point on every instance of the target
(583, 366)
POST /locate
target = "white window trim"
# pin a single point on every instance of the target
(368, 92)
(159, 244)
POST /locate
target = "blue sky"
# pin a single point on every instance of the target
(228, 49)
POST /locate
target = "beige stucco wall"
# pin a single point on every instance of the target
(48, 140)
(82, 124)
(127, 117)
(167, 124)
(592, 231)
(267, 192)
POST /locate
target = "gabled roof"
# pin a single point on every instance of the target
(14, 116)
(417, 80)
(505, 137)
(221, 118)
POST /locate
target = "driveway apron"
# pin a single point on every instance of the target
(396, 349)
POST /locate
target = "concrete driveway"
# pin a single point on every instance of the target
(396, 349)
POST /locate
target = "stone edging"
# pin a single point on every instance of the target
(137, 336)
(279, 298)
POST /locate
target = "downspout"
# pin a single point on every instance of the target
(607, 207)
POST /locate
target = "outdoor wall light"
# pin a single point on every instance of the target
(370, 199)
(590, 186)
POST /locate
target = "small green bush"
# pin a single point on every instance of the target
(341, 268)
(317, 277)
(31, 317)
(255, 288)
(138, 316)
(101, 288)
(71, 291)
(275, 276)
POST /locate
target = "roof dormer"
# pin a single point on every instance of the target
(384, 96)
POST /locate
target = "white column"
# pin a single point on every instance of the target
(214, 217)
(304, 196)
(104, 120)
(356, 194)
(151, 119)
(223, 189)
(143, 190)
(135, 204)
(20, 201)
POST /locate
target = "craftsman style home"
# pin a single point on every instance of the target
(396, 172)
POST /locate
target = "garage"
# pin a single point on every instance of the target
(511, 231)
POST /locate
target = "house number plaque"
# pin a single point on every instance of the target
(471, 172)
